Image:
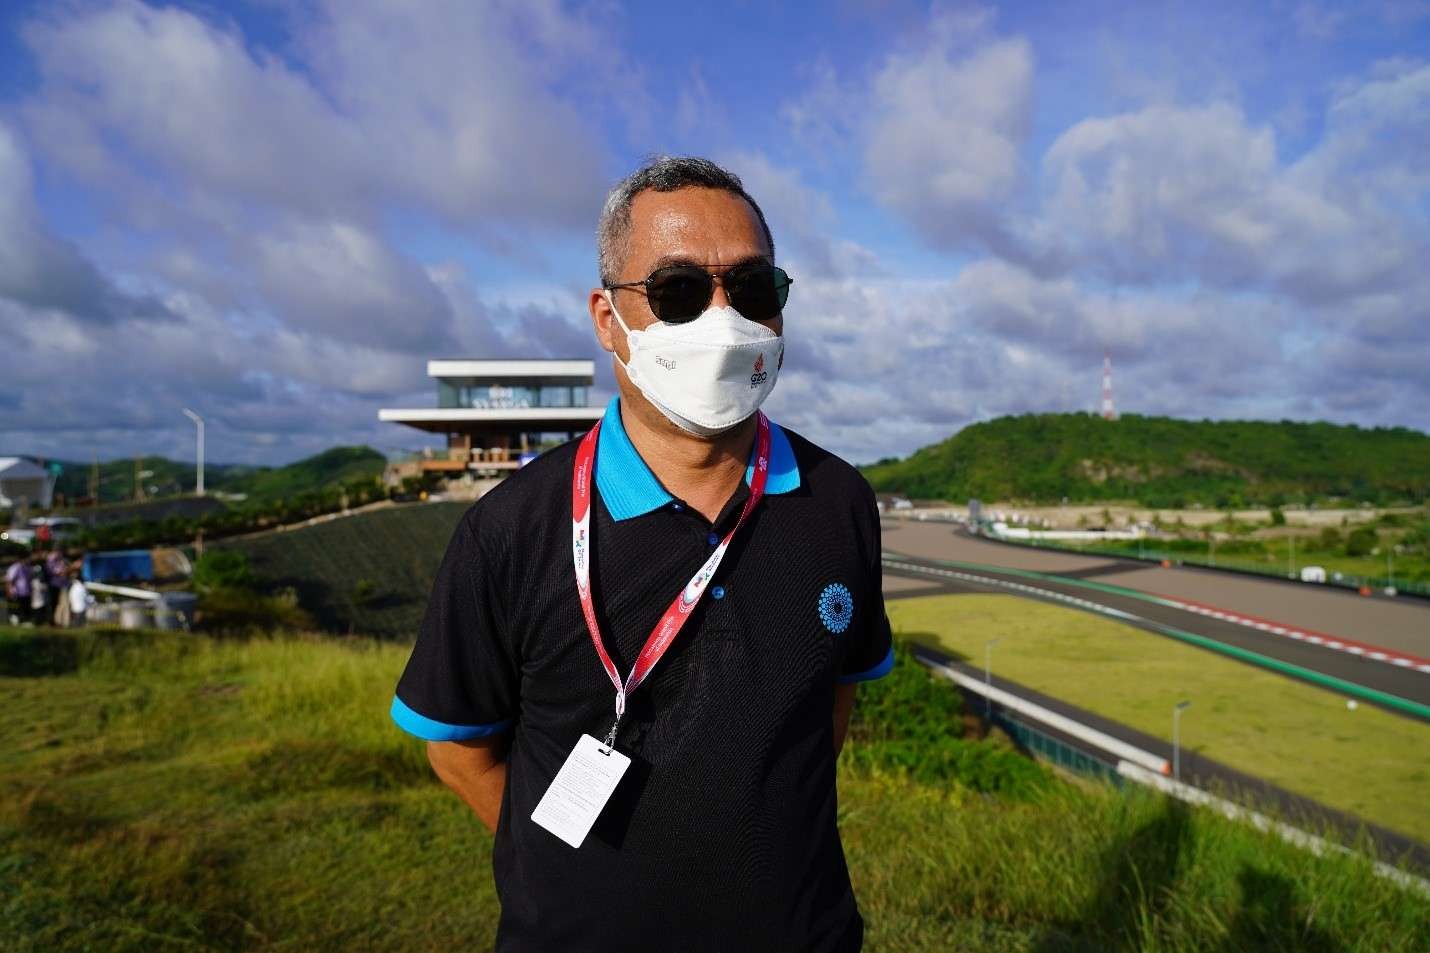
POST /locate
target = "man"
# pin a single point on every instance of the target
(733, 562)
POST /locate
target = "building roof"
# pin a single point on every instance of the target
(452, 419)
(501, 372)
(17, 468)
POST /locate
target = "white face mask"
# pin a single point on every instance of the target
(705, 375)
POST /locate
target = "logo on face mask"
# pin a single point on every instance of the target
(760, 375)
(665, 363)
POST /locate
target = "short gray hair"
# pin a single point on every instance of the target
(663, 174)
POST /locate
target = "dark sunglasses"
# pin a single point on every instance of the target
(680, 293)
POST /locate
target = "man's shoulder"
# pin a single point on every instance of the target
(822, 472)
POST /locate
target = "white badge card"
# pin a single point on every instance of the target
(580, 789)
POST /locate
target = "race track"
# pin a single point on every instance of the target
(1368, 642)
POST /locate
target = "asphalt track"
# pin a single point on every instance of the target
(1401, 626)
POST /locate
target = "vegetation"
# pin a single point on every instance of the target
(1394, 550)
(370, 572)
(332, 468)
(173, 478)
(1295, 735)
(1165, 463)
(165, 791)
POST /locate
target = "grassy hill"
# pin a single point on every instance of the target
(173, 477)
(369, 572)
(329, 468)
(172, 791)
(1164, 462)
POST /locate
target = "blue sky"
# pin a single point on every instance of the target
(275, 213)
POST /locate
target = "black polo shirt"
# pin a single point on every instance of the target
(721, 836)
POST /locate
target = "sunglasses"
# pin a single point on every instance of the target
(679, 293)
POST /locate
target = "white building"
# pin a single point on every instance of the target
(494, 412)
(25, 483)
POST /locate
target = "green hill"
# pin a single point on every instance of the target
(337, 465)
(1164, 462)
(167, 478)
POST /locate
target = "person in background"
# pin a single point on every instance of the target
(58, 578)
(17, 590)
(39, 593)
(77, 597)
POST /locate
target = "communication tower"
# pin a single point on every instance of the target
(1108, 411)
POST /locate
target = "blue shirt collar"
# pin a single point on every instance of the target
(628, 488)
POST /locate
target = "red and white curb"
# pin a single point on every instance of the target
(1333, 642)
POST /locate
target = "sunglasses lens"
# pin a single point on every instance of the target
(679, 293)
(759, 292)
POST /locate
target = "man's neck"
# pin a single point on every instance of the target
(702, 471)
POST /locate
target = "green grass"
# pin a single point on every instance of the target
(397, 550)
(166, 792)
(1371, 763)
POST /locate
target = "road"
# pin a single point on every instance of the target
(1401, 627)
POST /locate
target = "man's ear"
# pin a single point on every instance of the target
(603, 319)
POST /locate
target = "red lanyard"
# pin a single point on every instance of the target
(665, 631)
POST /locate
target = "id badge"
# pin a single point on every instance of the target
(580, 790)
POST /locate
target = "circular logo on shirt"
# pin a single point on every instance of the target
(836, 607)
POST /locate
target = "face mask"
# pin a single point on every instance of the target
(705, 375)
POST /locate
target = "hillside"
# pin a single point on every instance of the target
(337, 465)
(1164, 462)
(116, 477)
(166, 791)
(370, 572)
(172, 477)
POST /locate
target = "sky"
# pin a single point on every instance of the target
(275, 213)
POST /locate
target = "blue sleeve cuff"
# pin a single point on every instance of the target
(868, 675)
(424, 727)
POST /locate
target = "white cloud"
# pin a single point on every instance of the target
(943, 145)
(436, 110)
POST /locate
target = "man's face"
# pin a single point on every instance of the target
(692, 226)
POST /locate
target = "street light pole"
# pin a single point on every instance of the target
(988, 677)
(1177, 738)
(199, 422)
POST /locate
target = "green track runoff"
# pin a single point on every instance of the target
(161, 791)
(1365, 761)
(1406, 705)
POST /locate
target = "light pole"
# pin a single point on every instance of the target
(988, 677)
(198, 422)
(1177, 738)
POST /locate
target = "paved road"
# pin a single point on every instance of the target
(1399, 624)
(1401, 682)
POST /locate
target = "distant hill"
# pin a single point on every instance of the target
(1164, 462)
(168, 478)
(338, 465)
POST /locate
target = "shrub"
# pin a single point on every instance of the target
(1361, 541)
(911, 721)
(234, 610)
(223, 569)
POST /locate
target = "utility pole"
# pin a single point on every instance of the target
(94, 479)
(1292, 541)
(1177, 738)
(138, 483)
(199, 422)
